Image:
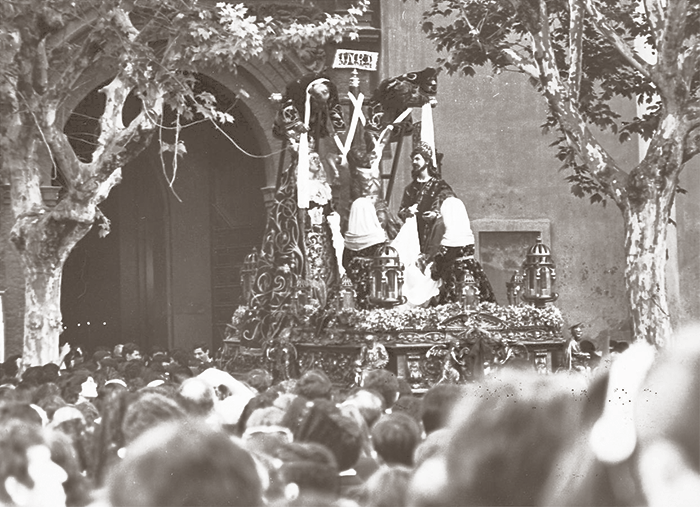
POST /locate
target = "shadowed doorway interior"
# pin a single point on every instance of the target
(167, 275)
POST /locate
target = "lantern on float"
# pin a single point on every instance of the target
(539, 275)
(468, 291)
(347, 294)
(250, 265)
(386, 278)
(465, 285)
(514, 288)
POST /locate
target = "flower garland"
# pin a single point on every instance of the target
(381, 320)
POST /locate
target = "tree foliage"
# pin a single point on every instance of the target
(594, 44)
(150, 50)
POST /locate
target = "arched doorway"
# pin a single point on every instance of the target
(168, 273)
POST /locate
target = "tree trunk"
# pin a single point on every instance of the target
(645, 273)
(44, 244)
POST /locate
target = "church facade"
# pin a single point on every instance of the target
(169, 272)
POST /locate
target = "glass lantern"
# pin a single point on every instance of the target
(468, 291)
(347, 294)
(514, 288)
(539, 275)
(386, 278)
(250, 265)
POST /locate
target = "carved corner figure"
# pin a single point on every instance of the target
(372, 356)
(283, 356)
(452, 356)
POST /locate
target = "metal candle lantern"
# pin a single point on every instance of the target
(250, 265)
(386, 278)
(539, 274)
(514, 288)
(347, 294)
(468, 291)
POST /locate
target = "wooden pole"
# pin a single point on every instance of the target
(394, 169)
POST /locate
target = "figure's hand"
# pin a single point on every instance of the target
(430, 215)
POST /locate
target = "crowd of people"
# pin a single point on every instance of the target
(122, 428)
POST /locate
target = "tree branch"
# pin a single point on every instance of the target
(576, 15)
(692, 145)
(669, 46)
(604, 27)
(599, 164)
(655, 13)
(522, 63)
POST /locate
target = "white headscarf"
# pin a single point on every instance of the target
(364, 229)
(458, 232)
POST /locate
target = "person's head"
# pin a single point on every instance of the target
(118, 350)
(148, 411)
(577, 331)
(384, 383)
(197, 396)
(667, 422)
(10, 367)
(387, 487)
(364, 229)
(201, 353)
(50, 372)
(325, 424)
(437, 404)
(458, 231)
(131, 351)
(507, 435)
(28, 476)
(185, 464)
(319, 90)
(370, 404)
(311, 467)
(395, 437)
(422, 161)
(314, 384)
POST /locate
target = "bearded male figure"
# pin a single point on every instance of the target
(424, 195)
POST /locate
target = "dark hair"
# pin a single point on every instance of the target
(10, 367)
(314, 384)
(148, 411)
(187, 464)
(130, 348)
(50, 403)
(32, 375)
(324, 424)
(309, 465)
(203, 346)
(383, 382)
(50, 372)
(395, 437)
(437, 404)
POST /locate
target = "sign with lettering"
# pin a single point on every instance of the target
(351, 59)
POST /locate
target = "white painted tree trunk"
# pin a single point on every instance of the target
(44, 244)
(645, 273)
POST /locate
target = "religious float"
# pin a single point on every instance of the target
(300, 312)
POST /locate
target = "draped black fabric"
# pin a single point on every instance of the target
(357, 265)
(446, 268)
(429, 196)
